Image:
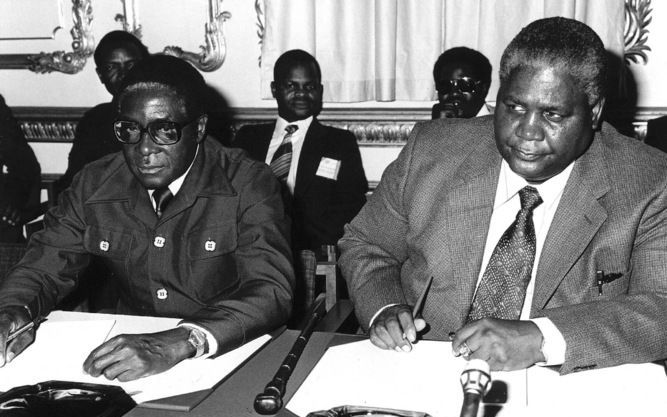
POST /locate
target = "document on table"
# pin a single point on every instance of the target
(61, 347)
(425, 380)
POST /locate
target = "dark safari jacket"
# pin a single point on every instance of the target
(218, 257)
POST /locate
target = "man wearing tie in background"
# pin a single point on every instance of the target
(189, 228)
(547, 245)
(319, 166)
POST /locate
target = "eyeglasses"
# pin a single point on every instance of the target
(161, 132)
(463, 84)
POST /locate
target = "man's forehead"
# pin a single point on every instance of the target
(458, 69)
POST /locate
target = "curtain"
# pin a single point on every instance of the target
(384, 50)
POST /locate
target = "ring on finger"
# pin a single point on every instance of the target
(464, 350)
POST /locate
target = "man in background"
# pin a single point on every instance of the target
(189, 228)
(462, 78)
(19, 178)
(546, 236)
(319, 166)
(115, 55)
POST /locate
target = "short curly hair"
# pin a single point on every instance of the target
(461, 54)
(563, 44)
(118, 39)
(175, 74)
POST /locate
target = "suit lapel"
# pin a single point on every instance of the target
(578, 217)
(204, 179)
(468, 211)
(309, 159)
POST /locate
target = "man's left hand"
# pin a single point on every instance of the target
(131, 356)
(507, 345)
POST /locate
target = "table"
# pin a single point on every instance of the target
(235, 395)
(618, 391)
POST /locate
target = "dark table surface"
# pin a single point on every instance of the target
(235, 395)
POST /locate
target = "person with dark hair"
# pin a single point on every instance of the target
(116, 53)
(324, 184)
(190, 229)
(19, 178)
(462, 79)
(545, 230)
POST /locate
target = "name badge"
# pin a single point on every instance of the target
(328, 168)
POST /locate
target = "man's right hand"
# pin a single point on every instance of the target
(12, 318)
(395, 328)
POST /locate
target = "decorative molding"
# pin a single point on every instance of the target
(129, 18)
(261, 27)
(61, 61)
(635, 33)
(388, 127)
(213, 54)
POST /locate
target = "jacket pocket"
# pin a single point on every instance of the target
(107, 243)
(212, 261)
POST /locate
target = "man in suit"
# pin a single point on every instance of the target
(322, 175)
(189, 228)
(462, 78)
(546, 236)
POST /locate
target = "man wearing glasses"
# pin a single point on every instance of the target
(462, 78)
(189, 228)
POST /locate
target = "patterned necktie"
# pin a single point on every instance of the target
(161, 196)
(282, 159)
(502, 289)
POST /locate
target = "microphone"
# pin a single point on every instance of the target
(270, 401)
(475, 381)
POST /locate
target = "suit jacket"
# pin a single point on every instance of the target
(320, 206)
(430, 214)
(218, 257)
(656, 133)
(19, 172)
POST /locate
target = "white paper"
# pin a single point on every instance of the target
(626, 390)
(424, 380)
(57, 353)
(64, 341)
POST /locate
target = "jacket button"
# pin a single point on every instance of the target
(159, 241)
(209, 245)
(104, 245)
(162, 294)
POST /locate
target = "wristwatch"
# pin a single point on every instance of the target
(197, 339)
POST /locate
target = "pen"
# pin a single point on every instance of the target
(26, 327)
(420, 301)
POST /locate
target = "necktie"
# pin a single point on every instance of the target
(161, 196)
(502, 289)
(282, 159)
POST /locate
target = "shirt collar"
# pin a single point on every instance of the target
(176, 185)
(485, 110)
(303, 125)
(550, 190)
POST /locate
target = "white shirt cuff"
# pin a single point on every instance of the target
(210, 340)
(378, 313)
(553, 347)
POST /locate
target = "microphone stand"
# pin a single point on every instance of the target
(271, 400)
